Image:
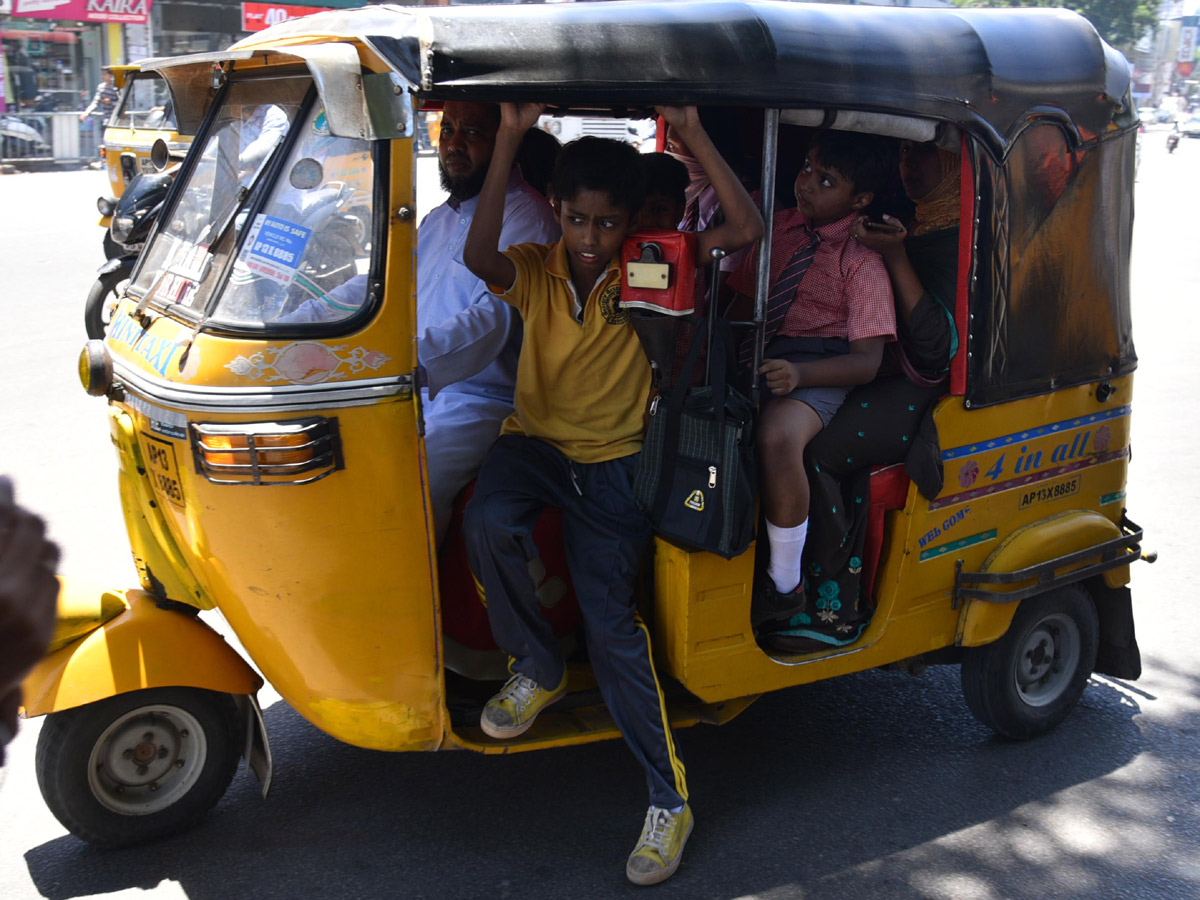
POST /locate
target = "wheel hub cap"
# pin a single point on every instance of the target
(1048, 660)
(146, 760)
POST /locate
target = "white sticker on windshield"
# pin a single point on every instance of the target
(185, 267)
(274, 248)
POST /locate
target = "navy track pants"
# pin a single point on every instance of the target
(604, 535)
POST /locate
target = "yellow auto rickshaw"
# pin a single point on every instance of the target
(274, 468)
(142, 117)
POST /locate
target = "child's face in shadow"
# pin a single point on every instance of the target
(660, 211)
(593, 227)
(824, 194)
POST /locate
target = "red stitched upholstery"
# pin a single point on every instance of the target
(464, 616)
(889, 489)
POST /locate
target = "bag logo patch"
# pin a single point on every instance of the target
(695, 501)
(610, 305)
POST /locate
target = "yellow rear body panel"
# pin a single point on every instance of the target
(1037, 478)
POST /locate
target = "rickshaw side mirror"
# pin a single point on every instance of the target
(160, 155)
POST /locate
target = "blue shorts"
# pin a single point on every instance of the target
(824, 401)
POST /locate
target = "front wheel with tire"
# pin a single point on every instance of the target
(138, 766)
(1025, 683)
(102, 300)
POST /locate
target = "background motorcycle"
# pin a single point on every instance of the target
(132, 219)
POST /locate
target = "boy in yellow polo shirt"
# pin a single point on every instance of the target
(582, 387)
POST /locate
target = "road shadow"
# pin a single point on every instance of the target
(870, 785)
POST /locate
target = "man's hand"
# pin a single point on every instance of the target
(520, 117)
(782, 377)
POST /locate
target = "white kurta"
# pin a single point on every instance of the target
(468, 341)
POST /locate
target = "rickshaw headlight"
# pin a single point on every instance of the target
(95, 368)
(106, 205)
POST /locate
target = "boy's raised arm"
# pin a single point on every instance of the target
(481, 252)
(743, 224)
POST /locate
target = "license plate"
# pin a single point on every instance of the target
(163, 469)
(1050, 492)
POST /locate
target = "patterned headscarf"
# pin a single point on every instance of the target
(939, 208)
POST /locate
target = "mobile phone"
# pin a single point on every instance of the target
(885, 227)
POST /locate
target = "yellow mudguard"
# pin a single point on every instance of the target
(140, 646)
(984, 621)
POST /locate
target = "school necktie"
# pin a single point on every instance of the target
(781, 294)
(691, 216)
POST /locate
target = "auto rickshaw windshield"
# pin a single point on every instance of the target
(146, 103)
(188, 255)
(306, 251)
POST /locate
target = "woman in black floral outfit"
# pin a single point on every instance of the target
(878, 423)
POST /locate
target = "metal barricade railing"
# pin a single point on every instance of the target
(41, 137)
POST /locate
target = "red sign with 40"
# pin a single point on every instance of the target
(257, 16)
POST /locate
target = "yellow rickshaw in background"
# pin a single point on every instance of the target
(143, 116)
(272, 466)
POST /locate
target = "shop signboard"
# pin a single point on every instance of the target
(1187, 44)
(257, 16)
(134, 12)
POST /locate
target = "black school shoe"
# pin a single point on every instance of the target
(771, 610)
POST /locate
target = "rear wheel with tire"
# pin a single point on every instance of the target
(1025, 683)
(102, 300)
(138, 766)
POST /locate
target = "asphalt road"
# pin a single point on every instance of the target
(878, 785)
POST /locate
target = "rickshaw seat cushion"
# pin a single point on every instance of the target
(464, 611)
(889, 490)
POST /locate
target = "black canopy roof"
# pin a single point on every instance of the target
(985, 70)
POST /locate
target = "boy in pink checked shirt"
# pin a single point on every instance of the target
(829, 314)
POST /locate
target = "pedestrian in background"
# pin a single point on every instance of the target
(104, 99)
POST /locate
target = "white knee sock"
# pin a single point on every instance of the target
(787, 546)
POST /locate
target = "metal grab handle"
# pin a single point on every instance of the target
(763, 274)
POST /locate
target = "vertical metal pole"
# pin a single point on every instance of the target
(714, 286)
(763, 275)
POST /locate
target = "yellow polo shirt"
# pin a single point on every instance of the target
(580, 387)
